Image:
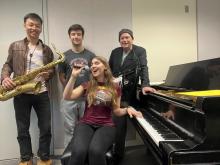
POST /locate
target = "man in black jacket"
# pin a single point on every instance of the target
(130, 63)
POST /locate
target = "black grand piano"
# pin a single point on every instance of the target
(179, 127)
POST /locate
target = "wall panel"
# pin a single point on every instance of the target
(167, 31)
(11, 16)
(208, 29)
(102, 21)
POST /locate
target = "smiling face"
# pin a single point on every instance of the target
(101, 73)
(76, 37)
(33, 28)
(126, 41)
(98, 69)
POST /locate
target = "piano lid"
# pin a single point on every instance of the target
(200, 75)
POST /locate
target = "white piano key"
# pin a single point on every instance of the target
(150, 130)
(153, 133)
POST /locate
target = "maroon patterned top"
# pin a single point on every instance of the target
(100, 112)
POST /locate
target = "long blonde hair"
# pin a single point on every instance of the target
(109, 84)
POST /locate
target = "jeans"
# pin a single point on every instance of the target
(91, 142)
(72, 112)
(23, 104)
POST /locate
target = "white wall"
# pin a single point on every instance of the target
(208, 29)
(167, 32)
(11, 16)
(102, 21)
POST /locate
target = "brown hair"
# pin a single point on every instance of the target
(76, 27)
(109, 83)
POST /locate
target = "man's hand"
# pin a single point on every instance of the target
(169, 115)
(8, 84)
(146, 90)
(42, 76)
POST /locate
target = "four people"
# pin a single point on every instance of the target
(95, 132)
(24, 56)
(100, 96)
(129, 62)
(73, 110)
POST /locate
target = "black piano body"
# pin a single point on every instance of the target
(189, 126)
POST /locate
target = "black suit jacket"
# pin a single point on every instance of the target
(136, 58)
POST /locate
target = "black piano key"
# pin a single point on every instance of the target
(164, 131)
(170, 136)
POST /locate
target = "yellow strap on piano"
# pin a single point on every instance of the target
(201, 93)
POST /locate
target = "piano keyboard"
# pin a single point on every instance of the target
(157, 131)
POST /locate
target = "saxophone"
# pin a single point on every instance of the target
(22, 82)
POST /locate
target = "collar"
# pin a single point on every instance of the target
(26, 41)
